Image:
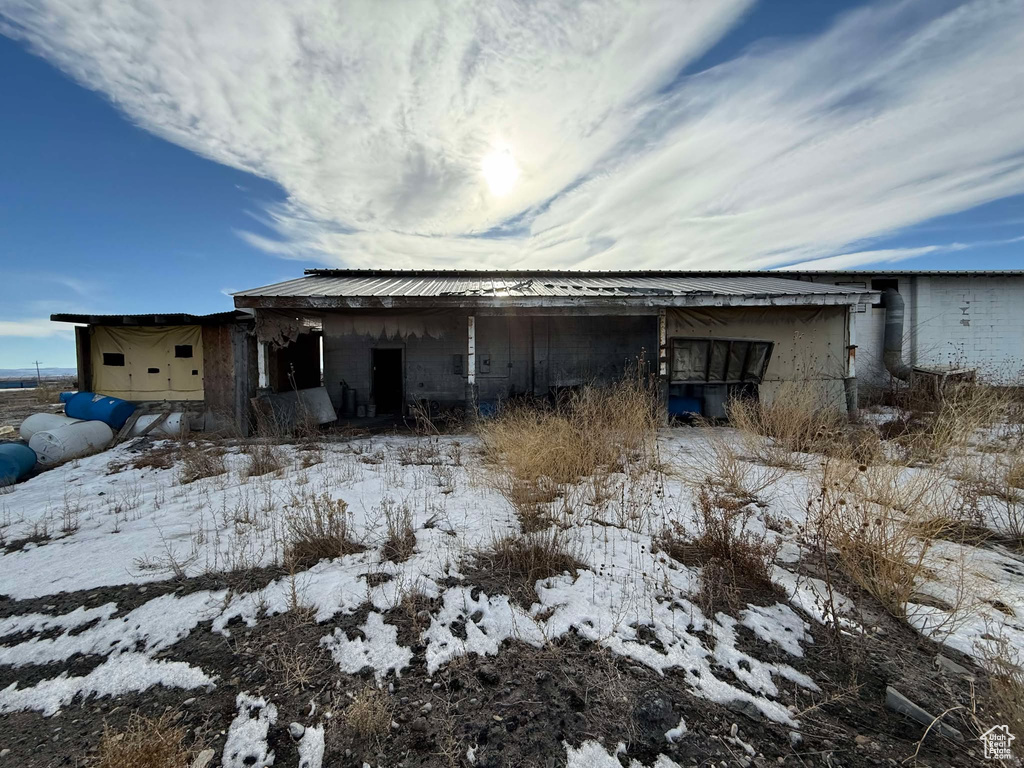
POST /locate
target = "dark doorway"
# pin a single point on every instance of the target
(387, 380)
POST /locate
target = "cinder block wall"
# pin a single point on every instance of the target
(950, 321)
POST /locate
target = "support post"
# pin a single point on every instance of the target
(663, 365)
(850, 382)
(471, 411)
(262, 362)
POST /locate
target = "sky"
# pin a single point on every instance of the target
(156, 156)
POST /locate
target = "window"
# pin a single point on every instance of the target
(154, 370)
(720, 361)
(113, 358)
(183, 350)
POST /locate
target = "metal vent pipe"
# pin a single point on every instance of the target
(892, 343)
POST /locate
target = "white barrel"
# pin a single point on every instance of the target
(172, 426)
(39, 422)
(53, 446)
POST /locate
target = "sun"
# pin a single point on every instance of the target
(500, 171)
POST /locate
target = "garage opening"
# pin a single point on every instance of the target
(388, 380)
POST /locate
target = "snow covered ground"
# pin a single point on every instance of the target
(99, 522)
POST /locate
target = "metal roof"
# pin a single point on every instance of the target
(172, 318)
(535, 284)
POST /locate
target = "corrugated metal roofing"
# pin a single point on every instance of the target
(381, 283)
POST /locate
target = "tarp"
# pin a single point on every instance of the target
(154, 363)
(810, 342)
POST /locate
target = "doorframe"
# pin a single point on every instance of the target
(373, 373)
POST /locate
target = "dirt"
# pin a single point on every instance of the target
(518, 708)
(18, 404)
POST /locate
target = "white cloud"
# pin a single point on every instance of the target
(860, 258)
(34, 328)
(375, 119)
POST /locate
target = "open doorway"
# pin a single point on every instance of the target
(388, 380)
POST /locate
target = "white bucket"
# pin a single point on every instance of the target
(70, 441)
(40, 422)
(172, 426)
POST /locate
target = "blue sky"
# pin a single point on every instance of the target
(155, 155)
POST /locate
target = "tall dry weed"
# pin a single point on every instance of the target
(538, 454)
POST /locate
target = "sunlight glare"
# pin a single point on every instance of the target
(500, 171)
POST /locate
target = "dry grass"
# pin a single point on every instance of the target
(46, 394)
(722, 464)
(880, 523)
(401, 538)
(737, 561)
(516, 563)
(145, 743)
(199, 461)
(930, 430)
(1003, 663)
(794, 422)
(263, 458)
(538, 454)
(369, 714)
(317, 528)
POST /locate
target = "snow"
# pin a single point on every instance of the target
(590, 754)
(117, 675)
(311, 748)
(139, 525)
(42, 622)
(672, 735)
(246, 744)
(379, 650)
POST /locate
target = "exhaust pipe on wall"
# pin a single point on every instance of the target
(892, 343)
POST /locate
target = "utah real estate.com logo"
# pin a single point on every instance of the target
(997, 741)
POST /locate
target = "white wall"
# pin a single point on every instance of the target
(951, 321)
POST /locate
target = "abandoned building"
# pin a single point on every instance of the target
(199, 362)
(444, 339)
(372, 343)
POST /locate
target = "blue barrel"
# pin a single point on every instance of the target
(87, 406)
(65, 396)
(16, 461)
(683, 406)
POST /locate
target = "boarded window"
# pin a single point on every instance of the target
(183, 350)
(113, 358)
(689, 359)
(724, 361)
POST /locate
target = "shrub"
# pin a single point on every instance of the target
(880, 522)
(369, 714)
(722, 466)
(516, 563)
(401, 538)
(794, 421)
(538, 454)
(145, 743)
(736, 560)
(198, 461)
(1003, 663)
(317, 528)
(264, 458)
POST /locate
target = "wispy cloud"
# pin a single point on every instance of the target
(34, 328)
(377, 122)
